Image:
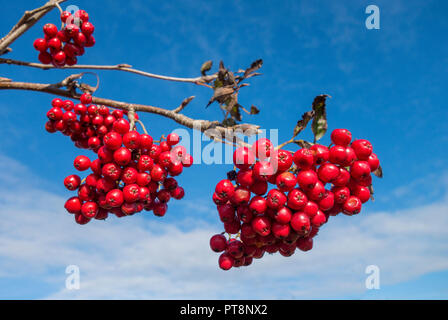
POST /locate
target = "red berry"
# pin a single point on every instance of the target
(281, 160)
(360, 170)
(327, 201)
(45, 57)
(305, 244)
(301, 223)
(225, 189)
(286, 181)
(320, 152)
(363, 193)
(172, 139)
(87, 28)
(352, 206)
(243, 158)
(363, 149)
(225, 261)
(131, 193)
(218, 243)
(72, 182)
(122, 156)
(319, 219)
(50, 30)
(121, 126)
(114, 198)
(328, 172)
(341, 137)
(111, 171)
(303, 158)
(112, 140)
(86, 98)
(280, 231)
(374, 162)
(73, 205)
(89, 209)
(311, 208)
(297, 199)
(262, 148)
(263, 170)
(261, 225)
(275, 199)
(82, 163)
(283, 215)
(307, 179)
(40, 44)
(258, 205)
(131, 140)
(341, 194)
(338, 155)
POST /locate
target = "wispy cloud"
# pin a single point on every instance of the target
(144, 257)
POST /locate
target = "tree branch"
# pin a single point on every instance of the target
(228, 134)
(28, 19)
(119, 67)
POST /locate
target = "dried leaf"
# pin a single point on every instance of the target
(303, 143)
(206, 66)
(378, 172)
(253, 67)
(235, 112)
(371, 193)
(254, 110)
(302, 123)
(229, 122)
(220, 93)
(319, 125)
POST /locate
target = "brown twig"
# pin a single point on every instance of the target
(225, 133)
(183, 104)
(202, 80)
(28, 19)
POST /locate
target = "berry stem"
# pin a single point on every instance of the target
(142, 125)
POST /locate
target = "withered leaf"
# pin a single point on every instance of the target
(319, 125)
(206, 66)
(253, 67)
(303, 143)
(229, 122)
(254, 110)
(220, 92)
(235, 112)
(378, 172)
(302, 123)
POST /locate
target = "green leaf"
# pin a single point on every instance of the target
(319, 125)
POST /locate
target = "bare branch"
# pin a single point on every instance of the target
(28, 19)
(119, 67)
(227, 133)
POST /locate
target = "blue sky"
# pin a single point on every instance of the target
(387, 85)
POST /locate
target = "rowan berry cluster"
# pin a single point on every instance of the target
(131, 173)
(62, 47)
(308, 187)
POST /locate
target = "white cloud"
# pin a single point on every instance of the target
(141, 257)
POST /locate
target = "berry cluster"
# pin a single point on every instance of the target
(61, 47)
(289, 215)
(131, 170)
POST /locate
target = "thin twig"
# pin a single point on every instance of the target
(227, 133)
(202, 80)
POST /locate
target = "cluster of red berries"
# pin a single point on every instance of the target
(61, 47)
(131, 171)
(290, 214)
